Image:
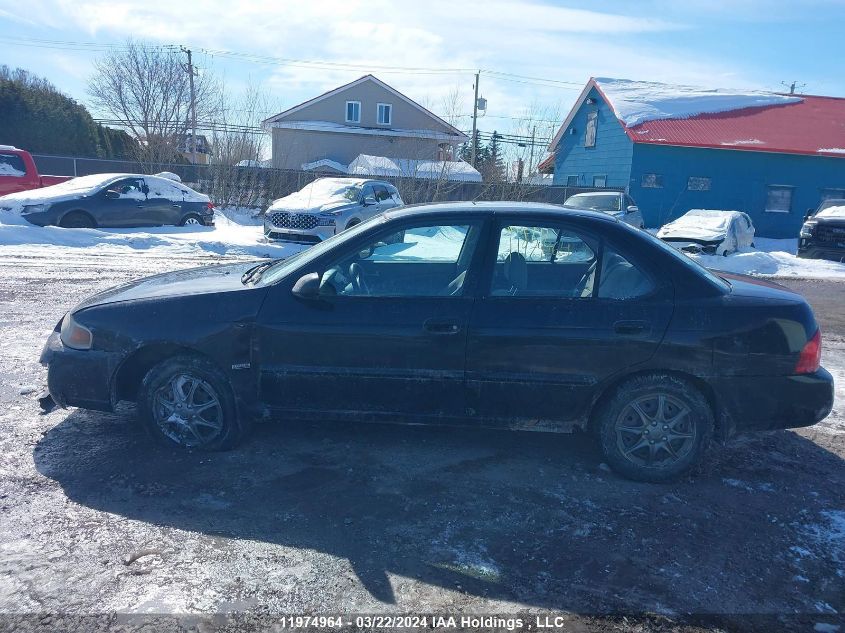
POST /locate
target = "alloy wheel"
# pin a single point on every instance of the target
(191, 222)
(655, 430)
(187, 410)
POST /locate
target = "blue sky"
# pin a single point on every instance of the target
(716, 43)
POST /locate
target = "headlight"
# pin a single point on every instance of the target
(807, 229)
(34, 208)
(75, 336)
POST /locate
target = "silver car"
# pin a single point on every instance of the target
(615, 203)
(326, 207)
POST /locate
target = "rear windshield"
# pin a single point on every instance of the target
(12, 165)
(594, 202)
(683, 259)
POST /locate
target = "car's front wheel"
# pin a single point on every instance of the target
(186, 402)
(78, 220)
(655, 427)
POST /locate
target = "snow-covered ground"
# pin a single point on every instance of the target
(236, 234)
(775, 258)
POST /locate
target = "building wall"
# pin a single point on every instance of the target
(611, 155)
(293, 148)
(404, 116)
(738, 181)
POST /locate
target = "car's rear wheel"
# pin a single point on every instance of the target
(192, 219)
(655, 427)
(186, 402)
(78, 220)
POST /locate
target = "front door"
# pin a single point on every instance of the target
(564, 312)
(122, 203)
(388, 333)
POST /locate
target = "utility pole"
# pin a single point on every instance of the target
(531, 151)
(475, 118)
(191, 73)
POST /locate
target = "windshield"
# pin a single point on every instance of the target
(679, 256)
(282, 268)
(596, 202)
(830, 202)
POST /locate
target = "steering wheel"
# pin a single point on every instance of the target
(356, 274)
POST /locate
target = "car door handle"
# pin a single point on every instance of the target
(630, 328)
(436, 326)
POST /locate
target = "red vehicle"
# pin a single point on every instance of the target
(19, 173)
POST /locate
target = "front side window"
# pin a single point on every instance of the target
(381, 193)
(129, 189)
(353, 111)
(542, 261)
(12, 165)
(384, 114)
(421, 261)
(778, 199)
(590, 133)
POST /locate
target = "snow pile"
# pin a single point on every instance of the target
(169, 175)
(635, 102)
(324, 163)
(774, 258)
(237, 234)
(367, 165)
(831, 212)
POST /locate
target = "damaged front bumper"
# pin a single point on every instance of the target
(79, 378)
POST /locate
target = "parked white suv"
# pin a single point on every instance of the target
(326, 207)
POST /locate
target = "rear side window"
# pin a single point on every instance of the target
(621, 279)
(12, 165)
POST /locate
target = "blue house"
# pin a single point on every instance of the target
(676, 148)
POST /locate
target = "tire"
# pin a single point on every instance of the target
(78, 220)
(632, 418)
(204, 417)
(192, 219)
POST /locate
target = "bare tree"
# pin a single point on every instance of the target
(146, 90)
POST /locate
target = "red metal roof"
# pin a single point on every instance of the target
(815, 126)
(547, 166)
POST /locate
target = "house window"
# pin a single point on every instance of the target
(779, 199)
(600, 181)
(445, 152)
(353, 111)
(572, 181)
(590, 134)
(828, 194)
(652, 181)
(698, 183)
(384, 114)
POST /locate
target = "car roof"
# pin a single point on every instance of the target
(491, 208)
(597, 193)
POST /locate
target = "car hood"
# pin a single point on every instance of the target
(193, 281)
(685, 231)
(306, 204)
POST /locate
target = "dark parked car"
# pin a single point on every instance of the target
(823, 233)
(112, 200)
(520, 316)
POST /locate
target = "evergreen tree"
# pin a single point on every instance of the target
(494, 165)
(39, 118)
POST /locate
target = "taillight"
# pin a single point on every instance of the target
(210, 206)
(810, 358)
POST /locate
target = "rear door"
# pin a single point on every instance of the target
(387, 336)
(165, 202)
(561, 312)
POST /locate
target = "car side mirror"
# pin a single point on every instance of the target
(145, 189)
(112, 195)
(633, 208)
(307, 286)
(368, 201)
(809, 214)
